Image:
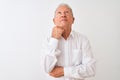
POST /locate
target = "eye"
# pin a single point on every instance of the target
(66, 11)
(59, 12)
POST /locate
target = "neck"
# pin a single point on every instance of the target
(66, 33)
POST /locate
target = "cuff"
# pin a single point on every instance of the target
(67, 71)
(53, 43)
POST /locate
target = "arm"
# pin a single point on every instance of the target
(87, 68)
(52, 49)
(52, 53)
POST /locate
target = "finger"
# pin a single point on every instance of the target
(51, 74)
(59, 27)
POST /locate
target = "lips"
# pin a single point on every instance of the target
(64, 19)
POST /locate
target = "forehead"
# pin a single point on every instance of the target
(63, 8)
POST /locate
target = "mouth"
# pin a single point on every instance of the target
(64, 19)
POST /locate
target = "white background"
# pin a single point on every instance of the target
(25, 24)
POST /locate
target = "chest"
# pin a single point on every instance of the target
(71, 52)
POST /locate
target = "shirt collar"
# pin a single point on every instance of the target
(71, 34)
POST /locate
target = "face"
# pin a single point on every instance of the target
(63, 17)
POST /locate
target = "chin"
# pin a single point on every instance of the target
(63, 25)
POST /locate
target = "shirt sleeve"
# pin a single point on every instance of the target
(86, 68)
(52, 53)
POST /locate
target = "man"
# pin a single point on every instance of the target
(69, 55)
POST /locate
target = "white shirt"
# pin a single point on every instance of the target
(74, 54)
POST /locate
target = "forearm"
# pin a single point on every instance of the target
(50, 61)
(52, 53)
(81, 71)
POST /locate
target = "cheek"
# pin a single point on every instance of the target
(70, 20)
(56, 21)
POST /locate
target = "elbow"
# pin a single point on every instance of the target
(47, 70)
(49, 64)
(92, 72)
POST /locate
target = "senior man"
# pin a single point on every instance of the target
(69, 55)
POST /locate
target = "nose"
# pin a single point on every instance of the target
(63, 14)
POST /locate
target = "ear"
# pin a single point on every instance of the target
(73, 19)
(53, 20)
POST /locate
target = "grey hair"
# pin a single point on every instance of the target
(63, 4)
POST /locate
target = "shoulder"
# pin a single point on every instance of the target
(79, 36)
(82, 40)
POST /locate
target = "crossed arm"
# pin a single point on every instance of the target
(81, 71)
